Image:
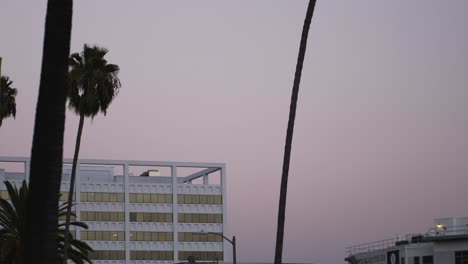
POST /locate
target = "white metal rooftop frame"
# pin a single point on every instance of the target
(207, 168)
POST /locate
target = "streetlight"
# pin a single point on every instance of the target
(232, 241)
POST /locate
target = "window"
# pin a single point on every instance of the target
(154, 198)
(218, 199)
(180, 199)
(210, 199)
(461, 257)
(428, 260)
(63, 196)
(203, 199)
(416, 260)
(106, 197)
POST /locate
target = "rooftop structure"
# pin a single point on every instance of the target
(143, 211)
(445, 243)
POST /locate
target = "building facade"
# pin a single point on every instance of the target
(163, 214)
(445, 243)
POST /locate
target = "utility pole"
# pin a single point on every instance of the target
(0, 66)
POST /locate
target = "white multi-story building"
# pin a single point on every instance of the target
(445, 243)
(163, 214)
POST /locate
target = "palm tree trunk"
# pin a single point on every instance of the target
(47, 147)
(289, 135)
(72, 187)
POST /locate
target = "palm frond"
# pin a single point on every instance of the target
(12, 219)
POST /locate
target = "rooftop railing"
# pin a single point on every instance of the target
(440, 231)
(378, 245)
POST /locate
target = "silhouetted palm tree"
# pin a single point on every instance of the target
(289, 135)
(12, 233)
(93, 85)
(47, 148)
(7, 99)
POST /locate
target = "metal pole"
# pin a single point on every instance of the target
(234, 261)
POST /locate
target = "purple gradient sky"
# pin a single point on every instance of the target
(380, 145)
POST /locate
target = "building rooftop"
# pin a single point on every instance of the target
(444, 229)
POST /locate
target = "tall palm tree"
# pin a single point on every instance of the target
(41, 241)
(7, 99)
(289, 135)
(93, 85)
(12, 233)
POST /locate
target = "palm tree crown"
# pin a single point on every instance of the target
(7, 99)
(93, 82)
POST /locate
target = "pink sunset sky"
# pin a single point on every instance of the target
(380, 145)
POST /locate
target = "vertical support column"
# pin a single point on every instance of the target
(27, 163)
(205, 179)
(224, 199)
(127, 213)
(77, 193)
(175, 226)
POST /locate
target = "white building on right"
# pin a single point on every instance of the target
(445, 243)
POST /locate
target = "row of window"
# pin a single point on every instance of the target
(134, 255)
(103, 216)
(194, 237)
(151, 255)
(103, 235)
(148, 217)
(155, 255)
(102, 197)
(138, 198)
(63, 197)
(199, 218)
(151, 217)
(149, 236)
(120, 236)
(107, 255)
(201, 255)
(417, 260)
(150, 198)
(199, 199)
(461, 257)
(120, 198)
